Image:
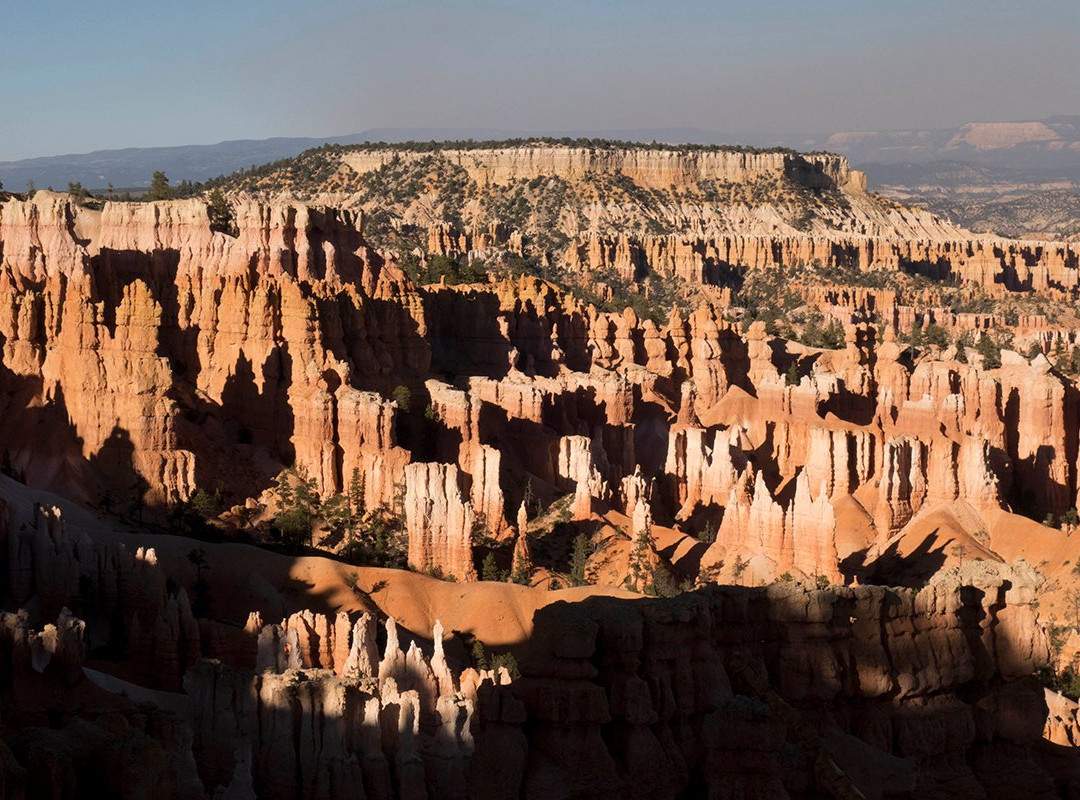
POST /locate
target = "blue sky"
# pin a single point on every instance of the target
(78, 76)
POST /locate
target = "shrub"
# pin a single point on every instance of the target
(294, 526)
(803, 221)
(936, 335)
(506, 661)
(827, 337)
(495, 661)
(205, 505)
(378, 539)
(77, 191)
(739, 567)
(403, 397)
(708, 533)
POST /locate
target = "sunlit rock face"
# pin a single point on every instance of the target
(712, 689)
(145, 356)
(407, 725)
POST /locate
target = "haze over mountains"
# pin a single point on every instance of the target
(1043, 144)
(1031, 151)
(132, 167)
(1017, 179)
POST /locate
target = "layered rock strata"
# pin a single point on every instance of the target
(778, 692)
(144, 356)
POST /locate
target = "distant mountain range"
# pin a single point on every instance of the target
(1036, 151)
(132, 167)
(1018, 179)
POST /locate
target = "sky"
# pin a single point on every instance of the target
(78, 76)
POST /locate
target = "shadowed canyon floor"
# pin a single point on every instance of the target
(652, 429)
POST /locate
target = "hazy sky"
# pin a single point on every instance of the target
(80, 76)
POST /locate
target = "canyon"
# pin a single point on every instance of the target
(804, 570)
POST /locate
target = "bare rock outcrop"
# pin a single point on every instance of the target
(156, 356)
(439, 519)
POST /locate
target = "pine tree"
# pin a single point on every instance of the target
(336, 513)
(204, 505)
(811, 334)
(579, 559)
(299, 501)
(200, 606)
(639, 565)
(833, 336)
(990, 352)
(521, 569)
(479, 657)
(159, 187)
(221, 214)
(306, 491)
(284, 489)
(915, 339)
(936, 335)
(356, 498)
(197, 557)
(522, 573)
(529, 498)
(489, 570)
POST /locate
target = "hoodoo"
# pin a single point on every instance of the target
(534, 469)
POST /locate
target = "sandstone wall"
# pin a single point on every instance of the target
(778, 692)
(145, 356)
(997, 266)
(661, 169)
